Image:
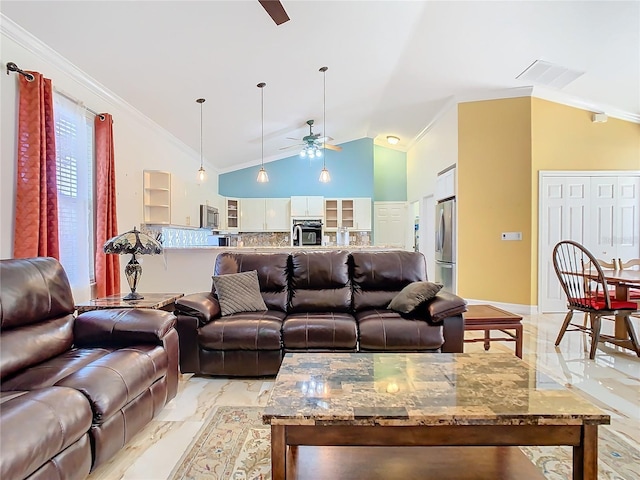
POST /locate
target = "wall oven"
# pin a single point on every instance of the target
(306, 232)
(209, 217)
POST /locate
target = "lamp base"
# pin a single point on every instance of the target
(133, 296)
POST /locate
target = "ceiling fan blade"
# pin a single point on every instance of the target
(325, 139)
(333, 147)
(275, 10)
(298, 145)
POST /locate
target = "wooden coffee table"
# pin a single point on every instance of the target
(488, 318)
(332, 402)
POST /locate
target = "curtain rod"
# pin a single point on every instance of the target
(12, 67)
(75, 100)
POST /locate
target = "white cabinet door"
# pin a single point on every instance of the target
(232, 214)
(307, 207)
(315, 207)
(446, 185)
(277, 216)
(331, 214)
(252, 218)
(362, 213)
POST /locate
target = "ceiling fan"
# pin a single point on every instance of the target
(313, 143)
(275, 10)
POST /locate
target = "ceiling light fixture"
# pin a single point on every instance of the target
(202, 174)
(324, 174)
(262, 174)
(393, 140)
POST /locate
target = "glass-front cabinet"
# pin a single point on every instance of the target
(232, 214)
(351, 213)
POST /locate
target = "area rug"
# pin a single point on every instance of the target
(235, 445)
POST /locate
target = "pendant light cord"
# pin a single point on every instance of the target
(262, 123)
(324, 115)
(201, 101)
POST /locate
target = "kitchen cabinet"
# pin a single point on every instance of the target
(351, 213)
(312, 206)
(265, 215)
(446, 184)
(157, 197)
(232, 214)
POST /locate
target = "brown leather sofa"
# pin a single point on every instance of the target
(73, 390)
(321, 301)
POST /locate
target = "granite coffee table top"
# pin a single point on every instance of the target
(421, 389)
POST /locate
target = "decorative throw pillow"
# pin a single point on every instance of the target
(239, 292)
(413, 295)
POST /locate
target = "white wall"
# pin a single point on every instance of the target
(434, 152)
(139, 144)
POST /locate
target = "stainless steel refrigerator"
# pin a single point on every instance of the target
(446, 244)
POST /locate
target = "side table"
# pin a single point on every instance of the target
(487, 318)
(159, 301)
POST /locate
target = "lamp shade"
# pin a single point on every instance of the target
(132, 242)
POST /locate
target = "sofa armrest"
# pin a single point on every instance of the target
(122, 326)
(453, 333)
(445, 304)
(204, 306)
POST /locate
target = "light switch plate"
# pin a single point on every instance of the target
(511, 235)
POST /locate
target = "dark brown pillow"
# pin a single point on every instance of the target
(239, 292)
(413, 295)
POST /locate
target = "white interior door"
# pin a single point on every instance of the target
(563, 216)
(603, 205)
(627, 233)
(390, 224)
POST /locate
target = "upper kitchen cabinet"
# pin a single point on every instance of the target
(312, 206)
(352, 213)
(157, 197)
(446, 183)
(265, 215)
(232, 214)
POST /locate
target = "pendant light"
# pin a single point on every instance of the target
(262, 174)
(324, 174)
(202, 174)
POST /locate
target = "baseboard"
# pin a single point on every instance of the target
(510, 307)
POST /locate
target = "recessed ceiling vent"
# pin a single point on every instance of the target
(548, 74)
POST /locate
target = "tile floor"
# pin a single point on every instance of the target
(611, 381)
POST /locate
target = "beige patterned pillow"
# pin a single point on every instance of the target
(239, 292)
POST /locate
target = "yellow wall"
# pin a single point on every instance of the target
(502, 146)
(565, 138)
(494, 196)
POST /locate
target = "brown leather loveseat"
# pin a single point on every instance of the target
(319, 301)
(74, 390)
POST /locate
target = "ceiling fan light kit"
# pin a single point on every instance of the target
(202, 174)
(262, 173)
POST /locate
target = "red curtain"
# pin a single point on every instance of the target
(36, 222)
(107, 267)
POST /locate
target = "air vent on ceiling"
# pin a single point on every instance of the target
(548, 74)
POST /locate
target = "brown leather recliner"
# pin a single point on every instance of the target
(325, 301)
(74, 390)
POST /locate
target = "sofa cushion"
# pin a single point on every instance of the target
(319, 330)
(386, 330)
(320, 281)
(239, 292)
(243, 331)
(379, 276)
(37, 425)
(413, 295)
(272, 271)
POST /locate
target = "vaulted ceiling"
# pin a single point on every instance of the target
(393, 65)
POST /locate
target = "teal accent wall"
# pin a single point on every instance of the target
(351, 171)
(389, 175)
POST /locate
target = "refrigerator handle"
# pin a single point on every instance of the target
(441, 232)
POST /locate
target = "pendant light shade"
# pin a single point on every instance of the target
(262, 174)
(202, 174)
(324, 174)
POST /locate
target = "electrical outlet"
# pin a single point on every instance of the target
(511, 235)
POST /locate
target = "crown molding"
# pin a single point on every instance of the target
(451, 102)
(25, 39)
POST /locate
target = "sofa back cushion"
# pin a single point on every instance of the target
(320, 281)
(272, 274)
(36, 312)
(379, 276)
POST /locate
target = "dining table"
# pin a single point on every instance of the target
(623, 281)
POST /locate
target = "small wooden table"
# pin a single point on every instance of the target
(487, 318)
(159, 301)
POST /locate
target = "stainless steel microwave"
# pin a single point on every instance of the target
(209, 217)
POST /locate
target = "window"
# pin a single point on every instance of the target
(74, 171)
